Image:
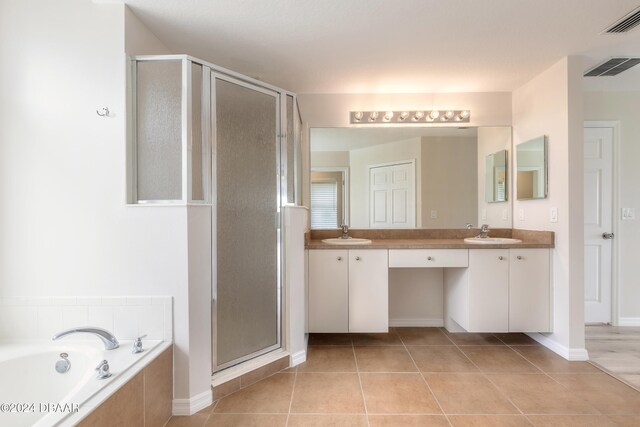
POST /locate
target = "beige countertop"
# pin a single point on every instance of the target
(427, 244)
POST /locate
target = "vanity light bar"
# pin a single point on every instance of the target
(409, 117)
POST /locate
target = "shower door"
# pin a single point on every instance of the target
(246, 256)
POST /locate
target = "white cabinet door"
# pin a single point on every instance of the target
(488, 290)
(529, 291)
(329, 291)
(368, 290)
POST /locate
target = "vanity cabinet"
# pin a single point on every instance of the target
(348, 290)
(503, 290)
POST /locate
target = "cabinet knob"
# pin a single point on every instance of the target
(339, 258)
(429, 258)
(520, 257)
(357, 258)
(500, 257)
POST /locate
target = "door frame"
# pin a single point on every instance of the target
(345, 187)
(615, 218)
(417, 208)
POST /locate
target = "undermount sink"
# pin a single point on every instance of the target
(492, 240)
(347, 241)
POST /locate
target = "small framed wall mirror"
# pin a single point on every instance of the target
(495, 175)
(531, 169)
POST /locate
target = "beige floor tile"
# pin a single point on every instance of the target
(329, 359)
(195, 420)
(271, 395)
(539, 394)
(517, 339)
(408, 421)
(626, 420)
(489, 421)
(390, 338)
(498, 359)
(631, 379)
(327, 393)
(466, 338)
(384, 359)
(604, 392)
(301, 420)
(423, 336)
(464, 393)
(571, 421)
(548, 361)
(247, 420)
(329, 339)
(397, 394)
(441, 359)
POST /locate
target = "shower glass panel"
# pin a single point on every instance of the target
(291, 141)
(159, 130)
(197, 144)
(246, 283)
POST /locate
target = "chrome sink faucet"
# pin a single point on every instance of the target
(345, 231)
(110, 342)
(484, 231)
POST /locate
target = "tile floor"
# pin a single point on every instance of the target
(427, 377)
(617, 350)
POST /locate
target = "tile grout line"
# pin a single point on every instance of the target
(364, 401)
(293, 390)
(446, 417)
(489, 379)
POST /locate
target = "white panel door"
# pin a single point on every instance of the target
(392, 196)
(598, 222)
(368, 290)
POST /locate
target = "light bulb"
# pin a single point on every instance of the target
(418, 115)
(404, 115)
(388, 116)
(464, 114)
(448, 114)
(373, 116)
(358, 115)
(434, 114)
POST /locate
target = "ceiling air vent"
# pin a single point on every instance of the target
(612, 67)
(625, 24)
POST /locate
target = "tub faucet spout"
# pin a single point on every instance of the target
(110, 342)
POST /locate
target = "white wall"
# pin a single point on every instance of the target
(625, 108)
(551, 104)
(490, 140)
(361, 159)
(65, 228)
(449, 181)
(320, 159)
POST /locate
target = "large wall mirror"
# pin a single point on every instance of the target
(531, 159)
(407, 177)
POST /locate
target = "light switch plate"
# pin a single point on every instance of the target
(521, 214)
(434, 214)
(628, 213)
(553, 214)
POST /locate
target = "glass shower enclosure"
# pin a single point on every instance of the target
(207, 135)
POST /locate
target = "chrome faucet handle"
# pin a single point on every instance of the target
(103, 370)
(137, 345)
(469, 226)
(345, 231)
(485, 227)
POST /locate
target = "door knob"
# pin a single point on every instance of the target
(608, 236)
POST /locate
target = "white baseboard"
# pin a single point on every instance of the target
(628, 321)
(187, 407)
(424, 323)
(298, 358)
(572, 354)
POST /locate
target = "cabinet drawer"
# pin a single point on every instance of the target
(428, 258)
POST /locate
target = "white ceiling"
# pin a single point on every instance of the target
(362, 46)
(347, 139)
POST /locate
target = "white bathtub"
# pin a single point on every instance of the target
(33, 393)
